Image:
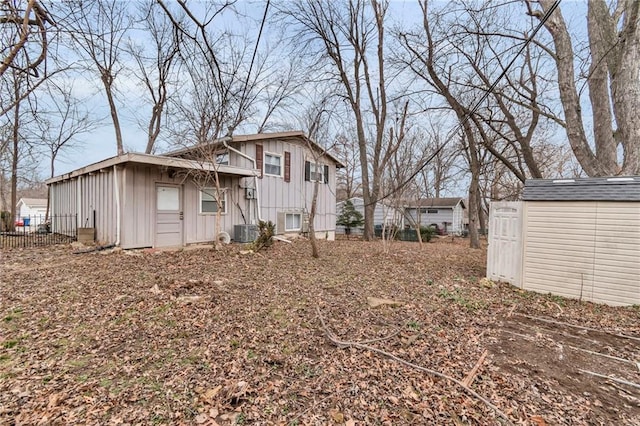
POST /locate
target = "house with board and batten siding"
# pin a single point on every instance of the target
(139, 200)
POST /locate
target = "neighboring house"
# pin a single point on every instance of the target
(446, 213)
(31, 212)
(384, 214)
(141, 200)
(577, 238)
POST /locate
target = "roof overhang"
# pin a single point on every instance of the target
(156, 160)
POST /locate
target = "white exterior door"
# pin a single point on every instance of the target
(504, 255)
(169, 216)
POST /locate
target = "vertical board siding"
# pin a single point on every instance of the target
(586, 250)
(138, 206)
(199, 228)
(62, 203)
(277, 195)
(96, 193)
(137, 186)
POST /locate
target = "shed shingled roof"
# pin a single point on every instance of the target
(585, 189)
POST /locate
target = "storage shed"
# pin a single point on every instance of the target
(578, 238)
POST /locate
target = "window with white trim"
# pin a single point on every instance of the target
(222, 158)
(272, 164)
(316, 172)
(209, 201)
(293, 222)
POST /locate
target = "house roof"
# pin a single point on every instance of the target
(34, 202)
(259, 137)
(158, 160)
(448, 203)
(359, 201)
(620, 188)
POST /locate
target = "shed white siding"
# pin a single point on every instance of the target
(588, 250)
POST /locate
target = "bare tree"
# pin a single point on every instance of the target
(350, 37)
(218, 93)
(98, 29)
(512, 112)
(15, 146)
(224, 67)
(612, 82)
(348, 178)
(156, 64)
(25, 36)
(278, 84)
(28, 43)
(439, 175)
(60, 122)
(427, 65)
(315, 123)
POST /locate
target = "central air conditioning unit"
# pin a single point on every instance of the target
(245, 233)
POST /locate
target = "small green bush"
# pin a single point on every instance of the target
(427, 233)
(349, 217)
(265, 237)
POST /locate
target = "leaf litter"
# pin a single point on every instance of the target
(220, 337)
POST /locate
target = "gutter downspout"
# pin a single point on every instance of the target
(255, 178)
(117, 193)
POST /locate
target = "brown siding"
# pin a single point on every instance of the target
(287, 166)
(294, 196)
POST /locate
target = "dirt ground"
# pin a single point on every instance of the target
(226, 337)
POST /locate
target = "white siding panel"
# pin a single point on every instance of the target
(558, 247)
(583, 249)
(617, 259)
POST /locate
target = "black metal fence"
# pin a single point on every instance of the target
(39, 230)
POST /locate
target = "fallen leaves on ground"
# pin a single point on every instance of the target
(219, 337)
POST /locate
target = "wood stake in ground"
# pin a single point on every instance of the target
(474, 371)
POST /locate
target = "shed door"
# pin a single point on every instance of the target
(504, 255)
(168, 216)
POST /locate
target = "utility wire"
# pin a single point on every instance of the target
(253, 58)
(473, 110)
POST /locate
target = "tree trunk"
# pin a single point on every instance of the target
(569, 94)
(312, 216)
(369, 201)
(114, 113)
(625, 86)
(615, 58)
(15, 140)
